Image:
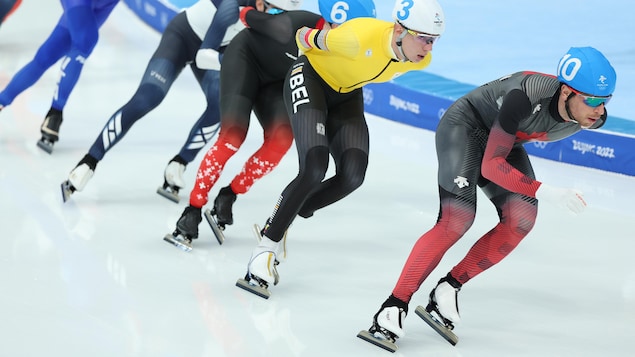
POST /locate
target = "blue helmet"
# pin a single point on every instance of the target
(586, 70)
(338, 11)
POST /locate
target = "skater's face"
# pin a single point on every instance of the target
(582, 108)
(415, 45)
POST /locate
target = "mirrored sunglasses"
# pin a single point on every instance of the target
(592, 100)
(272, 10)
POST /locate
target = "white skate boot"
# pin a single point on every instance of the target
(387, 324)
(442, 311)
(262, 269)
(173, 179)
(281, 252)
(79, 177)
(447, 305)
(174, 174)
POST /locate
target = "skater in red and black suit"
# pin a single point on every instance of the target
(479, 143)
(254, 66)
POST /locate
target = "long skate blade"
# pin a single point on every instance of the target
(45, 145)
(169, 194)
(67, 190)
(178, 242)
(256, 229)
(218, 232)
(377, 341)
(437, 325)
(254, 289)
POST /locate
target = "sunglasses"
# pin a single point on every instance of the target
(592, 100)
(272, 10)
(426, 38)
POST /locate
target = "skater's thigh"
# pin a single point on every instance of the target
(346, 124)
(55, 47)
(460, 151)
(239, 87)
(269, 108)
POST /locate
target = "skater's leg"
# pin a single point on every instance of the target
(517, 215)
(54, 48)
(349, 146)
(207, 125)
(277, 138)
(457, 205)
(148, 96)
(232, 134)
(84, 32)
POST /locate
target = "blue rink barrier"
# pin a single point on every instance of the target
(419, 99)
(157, 13)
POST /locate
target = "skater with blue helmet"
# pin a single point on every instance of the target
(338, 11)
(479, 143)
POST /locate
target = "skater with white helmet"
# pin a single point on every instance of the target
(323, 97)
(258, 65)
(480, 144)
(255, 64)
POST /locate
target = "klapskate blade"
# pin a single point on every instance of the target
(379, 342)
(220, 237)
(170, 238)
(45, 146)
(254, 289)
(256, 229)
(170, 195)
(436, 325)
(66, 190)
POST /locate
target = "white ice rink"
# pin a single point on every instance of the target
(93, 277)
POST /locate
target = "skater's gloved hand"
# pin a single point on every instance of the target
(243, 13)
(207, 58)
(302, 41)
(562, 197)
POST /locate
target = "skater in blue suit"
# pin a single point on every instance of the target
(72, 40)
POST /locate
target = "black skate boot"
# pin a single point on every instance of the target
(387, 324)
(442, 311)
(50, 130)
(186, 229)
(223, 206)
(173, 179)
(221, 214)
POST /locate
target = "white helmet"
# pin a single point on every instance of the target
(420, 15)
(286, 5)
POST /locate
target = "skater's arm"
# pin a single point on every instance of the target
(280, 27)
(225, 16)
(502, 138)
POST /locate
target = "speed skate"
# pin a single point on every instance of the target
(46, 144)
(378, 339)
(67, 190)
(169, 192)
(178, 240)
(438, 326)
(254, 286)
(215, 226)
